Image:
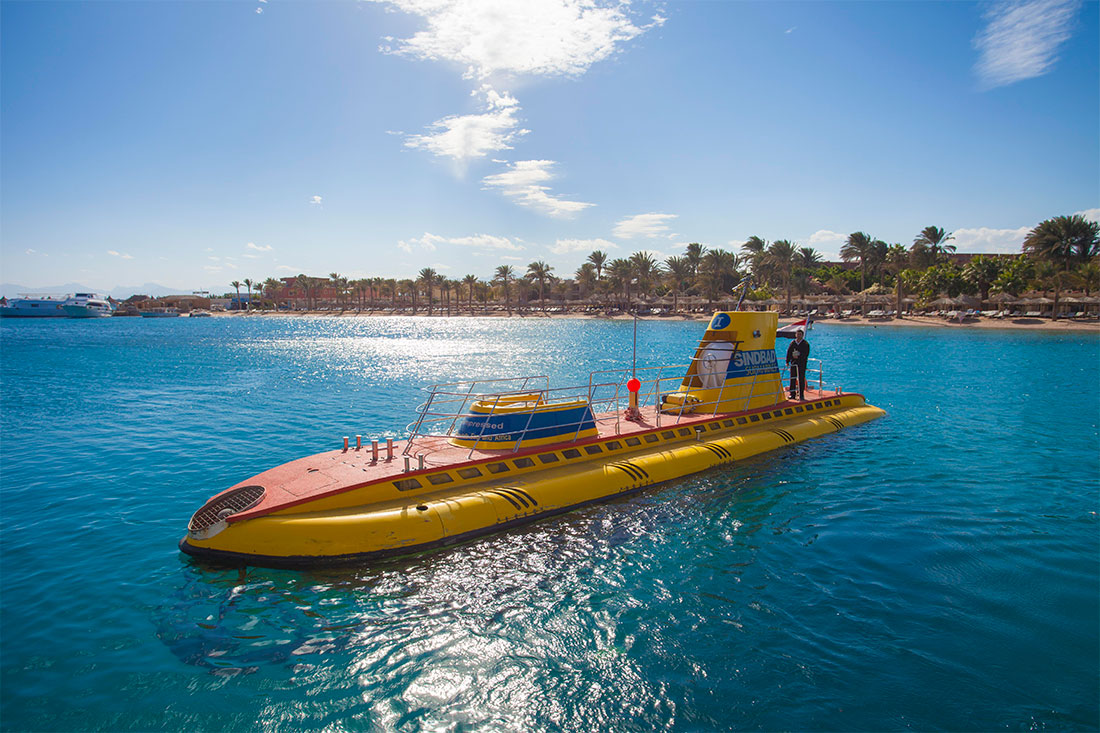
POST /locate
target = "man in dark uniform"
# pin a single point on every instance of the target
(798, 353)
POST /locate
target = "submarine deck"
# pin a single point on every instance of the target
(333, 472)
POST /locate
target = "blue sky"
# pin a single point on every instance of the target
(194, 143)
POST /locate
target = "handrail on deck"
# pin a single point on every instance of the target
(605, 394)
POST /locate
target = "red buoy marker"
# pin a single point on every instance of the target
(633, 384)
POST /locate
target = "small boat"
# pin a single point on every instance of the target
(199, 314)
(87, 305)
(33, 306)
(160, 313)
(485, 456)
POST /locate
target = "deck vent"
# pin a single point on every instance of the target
(210, 520)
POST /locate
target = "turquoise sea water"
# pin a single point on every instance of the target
(936, 569)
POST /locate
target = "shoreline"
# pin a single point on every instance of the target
(1006, 324)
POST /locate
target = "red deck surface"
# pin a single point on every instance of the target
(326, 474)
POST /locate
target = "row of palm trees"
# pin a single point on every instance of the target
(1059, 253)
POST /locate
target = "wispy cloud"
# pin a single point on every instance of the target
(504, 40)
(263, 247)
(287, 268)
(120, 255)
(644, 225)
(534, 37)
(990, 241)
(315, 200)
(431, 242)
(1090, 214)
(1021, 39)
(524, 180)
(463, 137)
(565, 246)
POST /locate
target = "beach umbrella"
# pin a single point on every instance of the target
(1003, 298)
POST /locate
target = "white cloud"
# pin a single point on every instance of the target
(211, 268)
(524, 183)
(315, 200)
(259, 11)
(564, 246)
(121, 255)
(534, 37)
(1021, 39)
(644, 225)
(265, 247)
(790, 30)
(828, 243)
(430, 242)
(825, 237)
(511, 258)
(287, 268)
(463, 137)
(1090, 214)
(990, 241)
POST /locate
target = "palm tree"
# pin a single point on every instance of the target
(1050, 276)
(426, 279)
(237, 285)
(471, 281)
(879, 249)
(981, 272)
(405, 286)
(645, 268)
(621, 274)
(271, 289)
(1090, 275)
(719, 273)
(1064, 240)
(586, 279)
(897, 259)
(598, 259)
(807, 257)
(935, 239)
(504, 275)
(303, 284)
(693, 253)
(678, 276)
(540, 271)
(858, 247)
(781, 255)
(248, 283)
(754, 250)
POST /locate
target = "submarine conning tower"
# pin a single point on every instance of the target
(734, 367)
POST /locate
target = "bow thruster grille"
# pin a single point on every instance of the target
(226, 505)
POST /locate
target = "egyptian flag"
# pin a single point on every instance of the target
(787, 332)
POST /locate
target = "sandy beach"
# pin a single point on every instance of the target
(1013, 324)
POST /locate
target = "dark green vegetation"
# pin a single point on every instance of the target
(1057, 256)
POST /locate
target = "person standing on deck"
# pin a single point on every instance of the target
(798, 353)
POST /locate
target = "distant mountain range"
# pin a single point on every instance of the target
(120, 292)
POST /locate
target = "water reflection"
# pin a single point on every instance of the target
(540, 627)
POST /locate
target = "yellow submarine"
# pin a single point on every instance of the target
(485, 456)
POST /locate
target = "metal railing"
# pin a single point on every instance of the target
(605, 394)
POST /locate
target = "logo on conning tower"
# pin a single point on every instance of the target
(720, 321)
